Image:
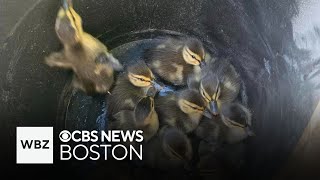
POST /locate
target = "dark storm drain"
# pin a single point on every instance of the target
(81, 112)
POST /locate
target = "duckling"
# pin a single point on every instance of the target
(86, 56)
(175, 59)
(209, 164)
(182, 109)
(193, 81)
(143, 117)
(130, 87)
(219, 161)
(220, 140)
(238, 119)
(231, 126)
(220, 83)
(168, 150)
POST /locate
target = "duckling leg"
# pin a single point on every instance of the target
(57, 59)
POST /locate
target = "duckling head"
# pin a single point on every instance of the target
(140, 75)
(210, 91)
(191, 103)
(143, 111)
(235, 115)
(176, 144)
(68, 24)
(193, 52)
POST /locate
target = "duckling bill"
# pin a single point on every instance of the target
(93, 66)
(175, 59)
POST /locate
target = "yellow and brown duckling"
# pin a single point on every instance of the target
(182, 109)
(175, 59)
(143, 117)
(168, 150)
(86, 56)
(220, 83)
(231, 126)
(130, 87)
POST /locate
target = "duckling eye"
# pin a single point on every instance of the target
(194, 57)
(141, 79)
(198, 109)
(193, 107)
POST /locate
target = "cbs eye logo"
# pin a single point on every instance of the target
(65, 136)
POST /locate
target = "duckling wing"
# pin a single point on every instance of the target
(167, 109)
(193, 82)
(237, 113)
(92, 78)
(230, 88)
(170, 114)
(124, 96)
(124, 120)
(208, 130)
(164, 49)
(166, 61)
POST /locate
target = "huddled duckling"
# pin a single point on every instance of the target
(132, 103)
(168, 150)
(220, 137)
(86, 56)
(175, 59)
(232, 126)
(209, 164)
(220, 83)
(238, 119)
(182, 109)
(130, 87)
(143, 117)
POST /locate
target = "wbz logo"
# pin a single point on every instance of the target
(37, 144)
(34, 145)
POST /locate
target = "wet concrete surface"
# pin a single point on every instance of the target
(11, 12)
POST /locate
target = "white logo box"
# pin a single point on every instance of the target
(34, 145)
